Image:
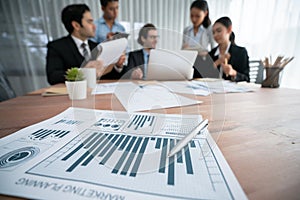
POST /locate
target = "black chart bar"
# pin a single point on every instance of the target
(139, 158)
(124, 155)
(157, 145)
(193, 145)
(79, 147)
(163, 157)
(188, 161)
(111, 151)
(171, 168)
(86, 162)
(131, 156)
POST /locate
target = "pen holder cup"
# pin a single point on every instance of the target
(272, 77)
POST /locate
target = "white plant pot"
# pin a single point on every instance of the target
(76, 89)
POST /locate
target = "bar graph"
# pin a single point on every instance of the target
(137, 163)
(140, 123)
(68, 122)
(43, 134)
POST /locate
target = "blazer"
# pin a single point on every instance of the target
(206, 41)
(239, 60)
(135, 59)
(62, 55)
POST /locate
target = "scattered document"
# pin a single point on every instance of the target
(111, 51)
(221, 86)
(97, 154)
(186, 87)
(105, 88)
(149, 97)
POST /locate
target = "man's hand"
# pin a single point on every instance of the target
(121, 61)
(137, 74)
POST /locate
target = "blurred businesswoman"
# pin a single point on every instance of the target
(199, 35)
(231, 60)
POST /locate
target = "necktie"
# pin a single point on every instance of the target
(145, 68)
(85, 51)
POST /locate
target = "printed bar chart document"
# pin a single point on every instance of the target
(97, 154)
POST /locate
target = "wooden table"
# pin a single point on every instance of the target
(258, 132)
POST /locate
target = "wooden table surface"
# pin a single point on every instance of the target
(257, 132)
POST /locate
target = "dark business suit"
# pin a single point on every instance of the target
(238, 59)
(135, 59)
(63, 54)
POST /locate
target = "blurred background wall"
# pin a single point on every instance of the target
(265, 28)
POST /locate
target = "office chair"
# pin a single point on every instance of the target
(6, 91)
(256, 71)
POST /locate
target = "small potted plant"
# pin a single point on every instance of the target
(76, 84)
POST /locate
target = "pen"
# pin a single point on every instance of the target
(184, 141)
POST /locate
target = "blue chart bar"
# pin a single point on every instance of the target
(124, 155)
(140, 122)
(74, 165)
(40, 134)
(171, 169)
(139, 158)
(49, 132)
(36, 132)
(157, 145)
(79, 147)
(92, 141)
(136, 121)
(131, 156)
(188, 161)
(132, 121)
(44, 133)
(144, 120)
(133, 150)
(179, 155)
(152, 121)
(62, 135)
(100, 141)
(163, 157)
(193, 145)
(108, 155)
(124, 143)
(109, 145)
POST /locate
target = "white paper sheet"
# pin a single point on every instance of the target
(148, 97)
(112, 50)
(221, 86)
(96, 154)
(105, 88)
(186, 87)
